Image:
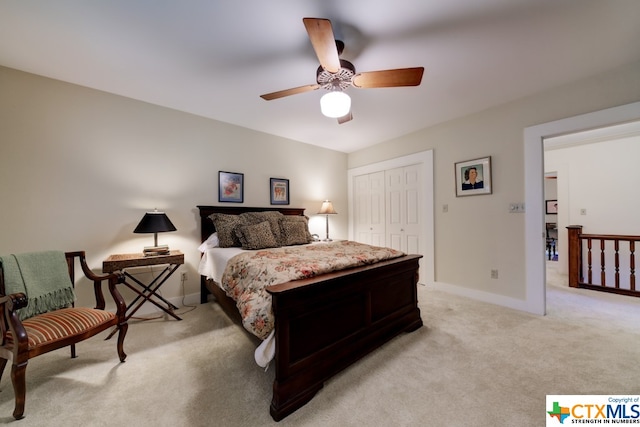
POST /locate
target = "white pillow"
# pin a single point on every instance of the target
(211, 242)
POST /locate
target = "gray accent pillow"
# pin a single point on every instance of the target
(256, 236)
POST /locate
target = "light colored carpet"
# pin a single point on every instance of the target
(472, 364)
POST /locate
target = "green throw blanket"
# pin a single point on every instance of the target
(42, 276)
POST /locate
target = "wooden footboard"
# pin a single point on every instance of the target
(325, 324)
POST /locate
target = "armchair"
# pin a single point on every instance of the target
(37, 314)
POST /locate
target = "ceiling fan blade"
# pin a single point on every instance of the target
(288, 92)
(389, 78)
(324, 43)
(346, 118)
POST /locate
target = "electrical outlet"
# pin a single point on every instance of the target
(183, 276)
(494, 274)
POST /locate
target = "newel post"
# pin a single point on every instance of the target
(575, 255)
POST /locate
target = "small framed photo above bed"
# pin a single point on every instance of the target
(279, 190)
(230, 187)
(473, 177)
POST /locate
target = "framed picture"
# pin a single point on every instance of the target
(552, 207)
(230, 187)
(473, 177)
(279, 190)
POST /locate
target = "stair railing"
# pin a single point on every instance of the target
(602, 262)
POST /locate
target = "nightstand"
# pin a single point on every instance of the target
(146, 292)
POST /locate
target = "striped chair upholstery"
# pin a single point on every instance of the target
(61, 324)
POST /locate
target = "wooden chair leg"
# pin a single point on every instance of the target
(18, 376)
(122, 331)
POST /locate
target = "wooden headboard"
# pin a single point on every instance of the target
(206, 225)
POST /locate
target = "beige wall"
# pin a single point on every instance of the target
(608, 170)
(478, 233)
(79, 167)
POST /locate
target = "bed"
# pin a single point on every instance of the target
(325, 323)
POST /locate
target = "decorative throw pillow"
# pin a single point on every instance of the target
(225, 225)
(256, 236)
(273, 217)
(295, 233)
(295, 230)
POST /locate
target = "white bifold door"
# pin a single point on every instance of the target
(387, 208)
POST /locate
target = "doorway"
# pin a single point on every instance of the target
(534, 194)
(551, 215)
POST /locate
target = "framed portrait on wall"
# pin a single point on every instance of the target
(552, 207)
(473, 177)
(279, 190)
(230, 187)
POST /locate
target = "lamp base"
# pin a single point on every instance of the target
(327, 240)
(156, 250)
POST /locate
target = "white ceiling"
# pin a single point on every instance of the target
(214, 58)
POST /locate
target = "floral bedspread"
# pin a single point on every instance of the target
(248, 274)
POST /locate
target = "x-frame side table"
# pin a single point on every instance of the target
(149, 291)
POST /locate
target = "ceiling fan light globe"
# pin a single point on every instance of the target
(335, 104)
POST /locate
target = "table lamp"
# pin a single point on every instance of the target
(155, 222)
(327, 209)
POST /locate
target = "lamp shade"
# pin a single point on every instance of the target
(327, 208)
(335, 104)
(154, 222)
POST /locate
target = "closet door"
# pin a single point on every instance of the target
(403, 192)
(369, 215)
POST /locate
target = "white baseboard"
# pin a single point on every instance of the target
(501, 300)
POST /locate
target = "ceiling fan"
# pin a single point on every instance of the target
(336, 75)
